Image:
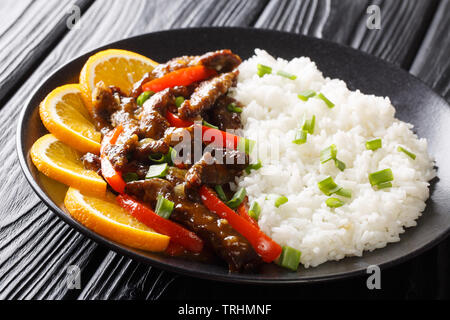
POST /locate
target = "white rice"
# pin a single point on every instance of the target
(371, 218)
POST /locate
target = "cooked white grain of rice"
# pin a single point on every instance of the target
(371, 218)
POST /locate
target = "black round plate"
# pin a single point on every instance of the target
(414, 102)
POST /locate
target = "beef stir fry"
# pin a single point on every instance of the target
(161, 149)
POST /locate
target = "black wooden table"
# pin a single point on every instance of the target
(36, 37)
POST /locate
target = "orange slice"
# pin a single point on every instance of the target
(107, 218)
(120, 68)
(62, 163)
(64, 114)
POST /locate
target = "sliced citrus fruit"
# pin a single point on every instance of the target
(64, 114)
(115, 67)
(107, 218)
(58, 161)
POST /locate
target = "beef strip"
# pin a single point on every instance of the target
(221, 117)
(220, 60)
(217, 169)
(91, 162)
(148, 146)
(216, 232)
(206, 94)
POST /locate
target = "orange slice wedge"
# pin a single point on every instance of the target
(64, 114)
(62, 163)
(107, 218)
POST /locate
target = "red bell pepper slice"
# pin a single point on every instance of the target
(177, 233)
(243, 212)
(209, 135)
(180, 77)
(268, 249)
(111, 175)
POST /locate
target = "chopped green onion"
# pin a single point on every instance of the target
(246, 145)
(408, 153)
(221, 193)
(384, 185)
(344, 193)
(179, 101)
(328, 154)
(163, 158)
(144, 97)
(280, 200)
(325, 99)
(289, 258)
(254, 166)
(262, 70)
(237, 198)
(255, 210)
(232, 107)
(300, 137)
(334, 202)
(308, 125)
(209, 125)
(130, 176)
(373, 144)
(286, 75)
(328, 186)
(164, 207)
(305, 95)
(382, 176)
(157, 171)
(339, 164)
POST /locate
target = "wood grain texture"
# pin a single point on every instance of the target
(432, 63)
(403, 24)
(35, 246)
(28, 30)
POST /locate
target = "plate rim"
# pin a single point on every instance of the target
(27, 109)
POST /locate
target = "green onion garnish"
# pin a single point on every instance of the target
(254, 166)
(221, 193)
(144, 97)
(328, 186)
(262, 70)
(308, 125)
(339, 164)
(305, 95)
(255, 210)
(384, 185)
(209, 125)
(334, 202)
(163, 158)
(237, 198)
(300, 137)
(373, 144)
(289, 258)
(179, 101)
(286, 75)
(328, 154)
(164, 207)
(130, 176)
(325, 99)
(280, 200)
(157, 171)
(380, 177)
(408, 153)
(232, 107)
(246, 145)
(344, 193)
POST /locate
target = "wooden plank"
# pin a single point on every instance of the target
(36, 247)
(28, 30)
(344, 21)
(432, 63)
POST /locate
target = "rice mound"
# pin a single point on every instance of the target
(371, 218)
